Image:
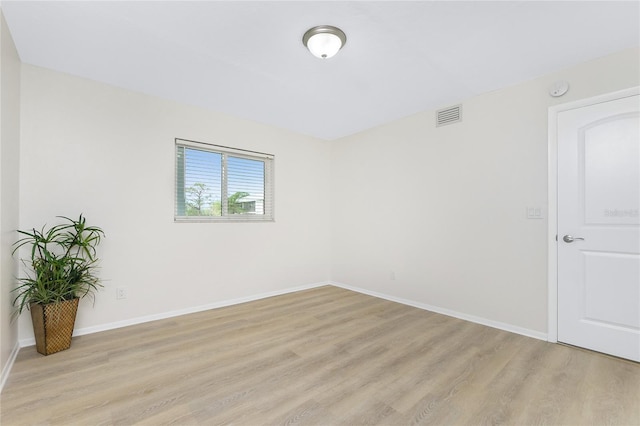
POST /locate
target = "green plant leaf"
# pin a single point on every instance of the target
(62, 263)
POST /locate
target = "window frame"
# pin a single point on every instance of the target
(225, 151)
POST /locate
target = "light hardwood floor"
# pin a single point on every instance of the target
(325, 356)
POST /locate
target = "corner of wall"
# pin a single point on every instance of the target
(9, 192)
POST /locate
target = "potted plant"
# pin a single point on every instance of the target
(61, 270)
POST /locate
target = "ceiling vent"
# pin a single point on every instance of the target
(449, 115)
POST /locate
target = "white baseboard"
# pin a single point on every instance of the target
(139, 320)
(6, 369)
(478, 320)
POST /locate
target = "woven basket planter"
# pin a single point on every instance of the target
(53, 325)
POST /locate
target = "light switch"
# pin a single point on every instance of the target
(534, 213)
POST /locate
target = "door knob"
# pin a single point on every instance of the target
(570, 239)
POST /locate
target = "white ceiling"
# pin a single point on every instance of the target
(247, 58)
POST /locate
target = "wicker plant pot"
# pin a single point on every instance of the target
(53, 325)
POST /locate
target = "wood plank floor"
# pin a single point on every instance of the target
(325, 356)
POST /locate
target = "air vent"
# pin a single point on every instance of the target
(449, 115)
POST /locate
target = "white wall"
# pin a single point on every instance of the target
(109, 153)
(9, 151)
(444, 209)
(441, 208)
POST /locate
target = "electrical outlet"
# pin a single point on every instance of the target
(121, 293)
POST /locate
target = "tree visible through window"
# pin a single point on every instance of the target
(218, 183)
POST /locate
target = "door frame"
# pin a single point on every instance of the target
(552, 191)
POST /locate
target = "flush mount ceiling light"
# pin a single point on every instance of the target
(324, 41)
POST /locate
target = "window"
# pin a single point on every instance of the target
(216, 183)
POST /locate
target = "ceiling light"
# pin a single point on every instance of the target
(324, 41)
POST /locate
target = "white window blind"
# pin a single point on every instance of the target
(217, 183)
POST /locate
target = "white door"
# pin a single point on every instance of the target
(598, 227)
